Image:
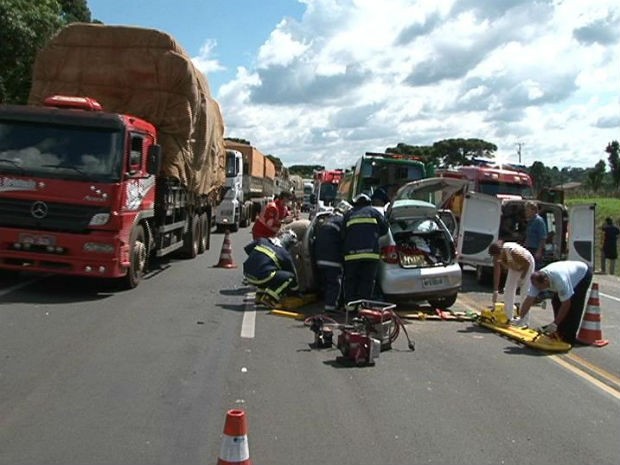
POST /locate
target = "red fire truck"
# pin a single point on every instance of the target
(325, 189)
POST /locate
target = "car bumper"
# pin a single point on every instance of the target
(419, 283)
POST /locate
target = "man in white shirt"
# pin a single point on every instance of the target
(569, 282)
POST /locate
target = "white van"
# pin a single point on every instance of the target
(485, 219)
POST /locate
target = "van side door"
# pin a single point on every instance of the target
(581, 233)
(478, 228)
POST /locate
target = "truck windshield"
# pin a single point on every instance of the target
(59, 151)
(503, 188)
(328, 192)
(389, 174)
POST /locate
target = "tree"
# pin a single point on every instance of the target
(25, 27)
(423, 152)
(540, 176)
(456, 152)
(596, 176)
(613, 149)
(305, 171)
(238, 141)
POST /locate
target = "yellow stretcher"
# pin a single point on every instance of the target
(496, 320)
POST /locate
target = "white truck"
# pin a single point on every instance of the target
(250, 183)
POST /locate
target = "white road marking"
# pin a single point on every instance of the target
(249, 318)
(607, 296)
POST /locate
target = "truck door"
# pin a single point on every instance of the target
(581, 231)
(479, 227)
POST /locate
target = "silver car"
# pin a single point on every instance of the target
(418, 258)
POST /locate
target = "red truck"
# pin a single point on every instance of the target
(118, 157)
(325, 189)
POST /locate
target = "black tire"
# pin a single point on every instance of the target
(138, 254)
(191, 239)
(204, 233)
(443, 302)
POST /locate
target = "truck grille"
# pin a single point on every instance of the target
(60, 217)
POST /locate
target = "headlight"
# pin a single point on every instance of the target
(99, 219)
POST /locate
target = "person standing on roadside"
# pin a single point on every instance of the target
(610, 246)
(363, 225)
(519, 263)
(535, 232)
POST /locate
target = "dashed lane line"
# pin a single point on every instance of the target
(248, 325)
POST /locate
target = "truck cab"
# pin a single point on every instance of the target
(230, 213)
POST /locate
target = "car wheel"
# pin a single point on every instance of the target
(443, 302)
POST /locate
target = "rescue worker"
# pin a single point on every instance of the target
(569, 281)
(519, 263)
(270, 267)
(328, 255)
(363, 225)
(272, 216)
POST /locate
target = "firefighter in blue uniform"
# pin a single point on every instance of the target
(270, 267)
(363, 225)
(328, 256)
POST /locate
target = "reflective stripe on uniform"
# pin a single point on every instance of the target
(270, 253)
(329, 263)
(354, 221)
(256, 281)
(282, 287)
(362, 256)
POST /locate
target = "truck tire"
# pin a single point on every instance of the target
(205, 232)
(443, 302)
(138, 253)
(191, 239)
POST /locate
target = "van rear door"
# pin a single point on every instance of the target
(479, 227)
(581, 231)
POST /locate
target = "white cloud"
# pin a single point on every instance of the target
(360, 75)
(205, 62)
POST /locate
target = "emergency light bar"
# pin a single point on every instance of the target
(78, 103)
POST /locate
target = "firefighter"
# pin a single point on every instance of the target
(328, 256)
(363, 225)
(272, 216)
(270, 267)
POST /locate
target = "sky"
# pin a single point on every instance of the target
(324, 81)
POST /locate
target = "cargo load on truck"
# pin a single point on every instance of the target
(145, 73)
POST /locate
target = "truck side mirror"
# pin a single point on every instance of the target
(153, 159)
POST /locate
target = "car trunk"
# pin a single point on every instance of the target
(423, 249)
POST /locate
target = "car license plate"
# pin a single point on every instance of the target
(37, 239)
(433, 282)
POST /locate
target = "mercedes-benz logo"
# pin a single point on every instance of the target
(39, 210)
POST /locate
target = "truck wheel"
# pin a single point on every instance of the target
(191, 239)
(443, 302)
(137, 258)
(205, 232)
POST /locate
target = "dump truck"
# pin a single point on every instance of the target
(116, 160)
(250, 180)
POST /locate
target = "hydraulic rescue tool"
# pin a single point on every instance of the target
(373, 329)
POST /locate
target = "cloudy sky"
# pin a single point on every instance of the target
(323, 81)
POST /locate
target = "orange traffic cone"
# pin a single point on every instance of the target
(226, 260)
(590, 330)
(235, 449)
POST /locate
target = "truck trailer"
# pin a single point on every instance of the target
(117, 158)
(250, 181)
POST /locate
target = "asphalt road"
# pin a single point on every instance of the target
(90, 375)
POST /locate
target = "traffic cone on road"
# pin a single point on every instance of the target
(226, 260)
(235, 449)
(590, 332)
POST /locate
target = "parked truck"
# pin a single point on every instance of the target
(250, 179)
(118, 157)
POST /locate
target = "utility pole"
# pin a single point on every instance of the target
(519, 145)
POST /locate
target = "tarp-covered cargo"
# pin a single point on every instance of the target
(145, 73)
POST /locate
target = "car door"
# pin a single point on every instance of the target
(581, 232)
(479, 227)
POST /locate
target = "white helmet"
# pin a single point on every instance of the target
(361, 199)
(343, 206)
